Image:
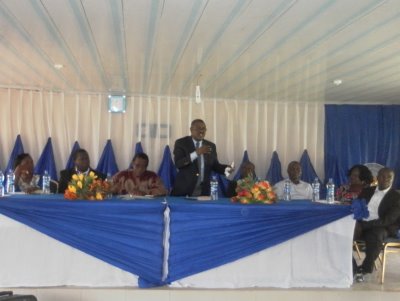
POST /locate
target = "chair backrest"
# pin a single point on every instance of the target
(53, 186)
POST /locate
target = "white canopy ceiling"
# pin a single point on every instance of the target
(275, 50)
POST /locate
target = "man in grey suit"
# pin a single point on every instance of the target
(195, 158)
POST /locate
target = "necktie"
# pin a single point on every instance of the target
(200, 162)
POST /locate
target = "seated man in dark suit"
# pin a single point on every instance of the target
(82, 166)
(383, 221)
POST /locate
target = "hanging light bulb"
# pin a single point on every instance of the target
(198, 95)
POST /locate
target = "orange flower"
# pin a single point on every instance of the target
(69, 195)
(251, 191)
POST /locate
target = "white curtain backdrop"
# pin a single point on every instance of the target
(234, 125)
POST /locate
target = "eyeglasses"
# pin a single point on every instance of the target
(199, 128)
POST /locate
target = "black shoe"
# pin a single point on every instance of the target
(359, 276)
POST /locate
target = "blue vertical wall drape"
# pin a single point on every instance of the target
(357, 134)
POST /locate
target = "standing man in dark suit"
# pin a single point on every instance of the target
(82, 166)
(195, 159)
(383, 221)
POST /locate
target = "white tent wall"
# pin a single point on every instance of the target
(260, 127)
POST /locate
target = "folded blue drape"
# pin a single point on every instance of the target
(17, 150)
(107, 163)
(308, 173)
(70, 162)
(274, 174)
(46, 162)
(138, 148)
(204, 236)
(167, 170)
(125, 234)
(244, 159)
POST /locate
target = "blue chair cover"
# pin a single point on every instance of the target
(17, 150)
(167, 170)
(107, 164)
(46, 162)
(70, 163)
(274, 174)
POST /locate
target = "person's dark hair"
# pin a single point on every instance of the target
(19, 159)
(196, 121)
(364, 173)
(141, 156)
(79, 151)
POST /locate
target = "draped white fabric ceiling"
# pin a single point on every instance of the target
(275, 50)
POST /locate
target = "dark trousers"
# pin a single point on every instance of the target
(374, 238)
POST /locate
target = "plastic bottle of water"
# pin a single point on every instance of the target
(330, 191)
(10, 186)
(46, 182)
(286, 190)
(109, 180)
(214, 188)
(1, 184)
(315, 188)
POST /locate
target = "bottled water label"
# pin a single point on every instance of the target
(1, 184)
(315, 187)
(286, 191)
(10, 186)
(330, 192)
(46, 182)
(214, 188)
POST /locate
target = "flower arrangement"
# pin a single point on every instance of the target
(251, 191)
(87, 187)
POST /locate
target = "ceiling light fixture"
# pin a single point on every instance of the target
(198, 96)
(58, 66)
(337, 82)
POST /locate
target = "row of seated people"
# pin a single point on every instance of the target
(140, 181)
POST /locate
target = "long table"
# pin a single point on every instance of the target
(186, 243)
